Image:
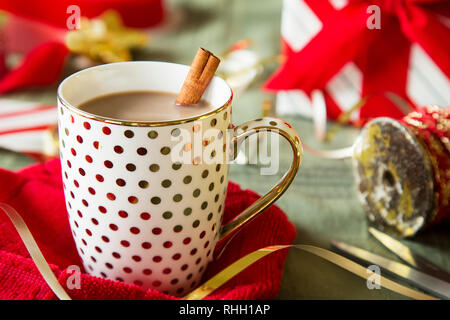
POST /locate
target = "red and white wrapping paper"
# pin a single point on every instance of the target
(426, 82)
(24, 126)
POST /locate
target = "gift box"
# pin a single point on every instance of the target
(25, 127)
(330, 46)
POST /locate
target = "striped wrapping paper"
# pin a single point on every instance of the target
(426, 83)
(24, 127)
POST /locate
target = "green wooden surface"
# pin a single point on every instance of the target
(321, 202)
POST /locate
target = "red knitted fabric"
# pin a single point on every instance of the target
(37, 194)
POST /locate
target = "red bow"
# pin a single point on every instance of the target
(42, 64)
(382, 54)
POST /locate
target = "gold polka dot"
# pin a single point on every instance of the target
(154, 167)
(166, 183)
(153, 134)
(165, 150)
(176, 166)
(175, 132)
(143, 184)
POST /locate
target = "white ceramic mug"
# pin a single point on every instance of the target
(137, 215)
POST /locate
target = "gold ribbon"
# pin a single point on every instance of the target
(35, 252)
(216, 281)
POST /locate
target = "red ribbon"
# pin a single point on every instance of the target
(44, 60)
(134, 13)
(382, 54)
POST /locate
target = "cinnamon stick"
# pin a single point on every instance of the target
(202, 70)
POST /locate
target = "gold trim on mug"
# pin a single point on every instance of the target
(88, 115)
(143, 123)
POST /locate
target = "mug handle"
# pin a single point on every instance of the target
(240, 133)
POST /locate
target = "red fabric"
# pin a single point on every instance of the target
(382, 55)
(37, 194)
(135, 13)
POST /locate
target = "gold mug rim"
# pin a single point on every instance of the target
(134, 123)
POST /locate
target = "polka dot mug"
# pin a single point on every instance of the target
(143, 207)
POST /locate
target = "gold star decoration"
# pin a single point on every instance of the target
(105, 39)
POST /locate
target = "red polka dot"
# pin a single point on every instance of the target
(120, 182)
(72, 150)
(98, 249)
(69, 164)
(167, 270)
(187, 240)
(176, 256)
(82, 172)
(147, 272)
(108, 265)
(85, 203)
(80, 214)
(133, 200)
(99, 177)
(156, 283)
(96, 144)
(108, 164)
(72, 195)
(113, 227)
(75, 182)
(123, 214)
(146, 245)
(93, 259)
(142, 151)
(156, 231)
(91, 190)
(198, 260)
(180, 290)
(105, 238)
(84, 242)
(88, 232)
(72, 119)
(94, 221)
(206, 244)
(145, 215)
(127, 270)
(193, 251)
(167, 244)
(79, 139)
(174, 281)
(88, 158)
(111, 196)
(106, 130)
(118, 149)
(116, 255)
(102, 209)
(189, 276)
(125, 243)
(184, 267)
(138, 283)
(157, 258)
(135, 230)
(87, 125)
(136, 258)
(202, 235)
